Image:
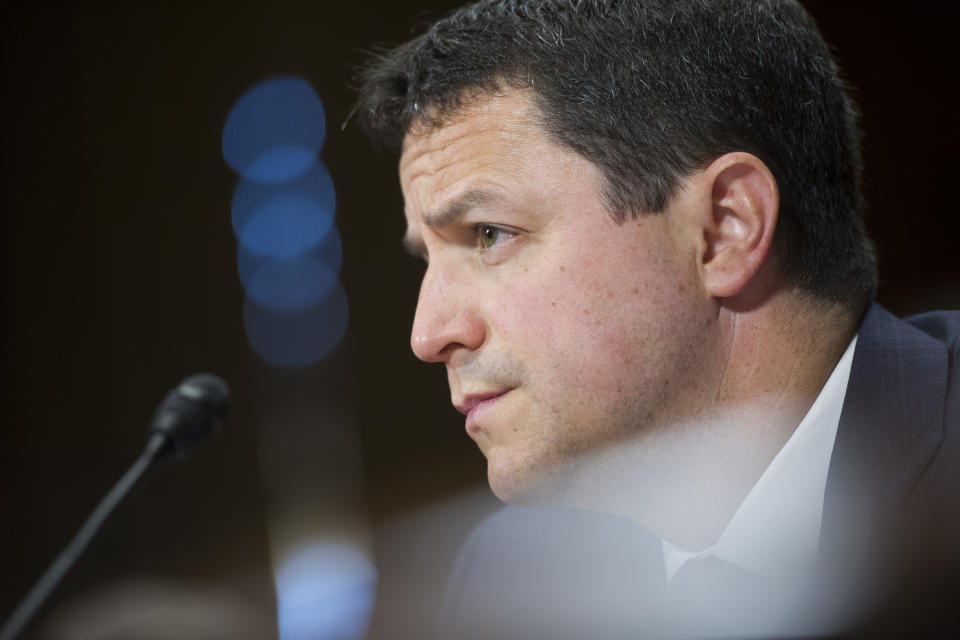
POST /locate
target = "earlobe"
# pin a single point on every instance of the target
(739, 232)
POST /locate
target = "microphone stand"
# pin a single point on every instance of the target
(58, 569)
(186, 417)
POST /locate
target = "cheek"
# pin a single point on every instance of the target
(546, 308)
(575, 335)
(528, 319)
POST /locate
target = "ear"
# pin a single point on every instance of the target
(737, 237)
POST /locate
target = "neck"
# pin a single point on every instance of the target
(685, 479)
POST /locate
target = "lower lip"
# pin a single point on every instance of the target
(479, 410)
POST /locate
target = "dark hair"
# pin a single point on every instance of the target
(652, 90)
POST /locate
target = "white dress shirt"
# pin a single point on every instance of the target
(775, 531)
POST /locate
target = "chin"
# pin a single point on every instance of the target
(524, 484)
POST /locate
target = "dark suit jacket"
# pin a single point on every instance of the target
(892, 494)
(892, 504)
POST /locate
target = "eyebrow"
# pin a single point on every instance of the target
(447, 214)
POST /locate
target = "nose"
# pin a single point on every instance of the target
(447, 319)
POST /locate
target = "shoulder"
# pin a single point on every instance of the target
(551, 572)
(909, 356)
(925, 346)
(939, 325)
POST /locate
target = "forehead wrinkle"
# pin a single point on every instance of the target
(448, 213)
(429, 151)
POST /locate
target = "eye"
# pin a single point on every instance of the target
(489, 236)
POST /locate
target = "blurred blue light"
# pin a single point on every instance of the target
(300, 338)
(325, 591)
(274, 131)
(280, 164)
(288, 286)
(288, 251)
(284, 221)
(329, 253)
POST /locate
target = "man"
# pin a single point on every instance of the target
(648, 280)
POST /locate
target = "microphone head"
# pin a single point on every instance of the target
(189, 414)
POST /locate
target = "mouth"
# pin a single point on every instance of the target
(475, 405)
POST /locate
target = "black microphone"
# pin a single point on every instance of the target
(188, 415)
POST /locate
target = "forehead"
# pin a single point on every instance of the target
(491, 138)
(502, 114)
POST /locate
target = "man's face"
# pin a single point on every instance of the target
(562, 332)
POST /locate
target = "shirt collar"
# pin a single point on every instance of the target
(776, 530)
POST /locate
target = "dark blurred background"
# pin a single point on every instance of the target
(119, 278)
